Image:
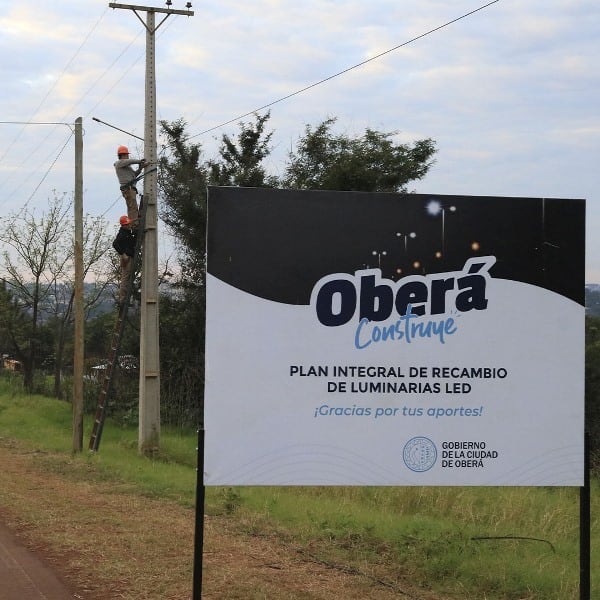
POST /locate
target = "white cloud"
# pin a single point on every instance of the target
(510, 93)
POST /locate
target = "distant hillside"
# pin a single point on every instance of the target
(106, 301)
(592, 299)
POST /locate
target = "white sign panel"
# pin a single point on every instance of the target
(385, 339)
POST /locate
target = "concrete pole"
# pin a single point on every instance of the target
(149, 385)
(78, 293)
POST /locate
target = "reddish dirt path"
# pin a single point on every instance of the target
(104, 543)
(26, 576)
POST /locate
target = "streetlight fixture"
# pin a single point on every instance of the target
(379, 254)
(412, 235)
(404, 236)
(434, 208)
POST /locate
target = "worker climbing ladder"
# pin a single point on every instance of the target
(115, 345)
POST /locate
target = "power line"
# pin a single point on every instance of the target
(81, 98)
(35, 123)
(120, 78)
(37, 110)
(78, 101)
(360, 64)
(37, 187)
(9, 147)
(71, 109)
(67, 112)
(126, 72)
(25, 124)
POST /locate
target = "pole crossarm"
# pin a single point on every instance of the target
(168, 11)
(151, 9)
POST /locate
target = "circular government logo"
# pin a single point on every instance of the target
(419, 454)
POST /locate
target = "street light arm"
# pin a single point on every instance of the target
(117, 128)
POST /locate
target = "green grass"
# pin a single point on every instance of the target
(439, 535)
(456, 540)
(45, 424)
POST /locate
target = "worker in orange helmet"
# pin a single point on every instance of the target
(124, 244)
(127, 176)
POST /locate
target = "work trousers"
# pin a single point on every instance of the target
(126, 264)
(130, 195)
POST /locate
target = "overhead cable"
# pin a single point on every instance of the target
(9, 147)
(360, 64)
(37, 187)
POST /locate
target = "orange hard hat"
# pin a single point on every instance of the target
(122, 150)
(125, 220)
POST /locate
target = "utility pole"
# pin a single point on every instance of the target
(149, 388)
(78, 293)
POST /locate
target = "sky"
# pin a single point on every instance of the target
(510, 92)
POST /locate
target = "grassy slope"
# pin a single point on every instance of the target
(429, 534)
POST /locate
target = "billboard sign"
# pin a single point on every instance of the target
(390, 339)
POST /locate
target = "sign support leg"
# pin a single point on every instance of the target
(199, 528)
(584, 526)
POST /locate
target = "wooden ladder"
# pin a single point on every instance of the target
(117, 335)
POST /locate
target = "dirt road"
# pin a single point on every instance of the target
(24, 575)
(102, 542)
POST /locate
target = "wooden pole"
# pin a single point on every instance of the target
(78, 352)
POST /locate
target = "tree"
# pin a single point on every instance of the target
(13, 321)
(370, 163)
(96, 244)
(182, 357)
(322, 160)
(183, 180)
(35, 244)
(240, 162)
(38, 270)
(184, 177)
